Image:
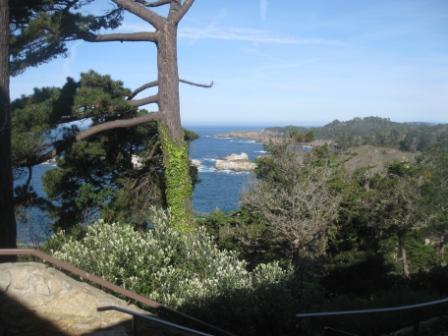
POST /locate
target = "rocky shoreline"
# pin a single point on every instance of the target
(267, 136)
(264, 136)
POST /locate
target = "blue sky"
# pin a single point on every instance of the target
(277, 62)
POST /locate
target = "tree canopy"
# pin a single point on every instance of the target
(41, 29)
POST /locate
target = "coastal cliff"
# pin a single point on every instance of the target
(264, 136)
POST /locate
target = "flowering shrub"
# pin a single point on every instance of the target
(167, 266)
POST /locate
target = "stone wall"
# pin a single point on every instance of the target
(39, 300)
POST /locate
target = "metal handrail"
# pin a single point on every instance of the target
(375, 310)
(153, 319)
(416, 323)
(110, 286)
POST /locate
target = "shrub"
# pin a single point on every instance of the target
(168, 266)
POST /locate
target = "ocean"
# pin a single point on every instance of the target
(220, 189)
(215, 189)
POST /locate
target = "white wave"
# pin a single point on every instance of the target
(247, 141)
(232, 172)
(243, 141)
(261, 151)
(206, 169)
(211, 169)
(51, 162)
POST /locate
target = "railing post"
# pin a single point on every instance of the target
(134, 325)
(416, 328)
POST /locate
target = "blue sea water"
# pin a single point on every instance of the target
(215, 190)
(220, 189)
(34, 225)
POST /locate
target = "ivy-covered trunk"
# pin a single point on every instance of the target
(175, 151)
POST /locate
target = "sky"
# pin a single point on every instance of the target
(278, 62)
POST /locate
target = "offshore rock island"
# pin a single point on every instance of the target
(235, 162)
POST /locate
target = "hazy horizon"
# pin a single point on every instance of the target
(289, 123)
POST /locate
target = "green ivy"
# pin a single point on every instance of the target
(178, 186)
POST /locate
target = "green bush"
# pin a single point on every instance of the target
(165, 265)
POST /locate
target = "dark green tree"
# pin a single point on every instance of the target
(117, 172)
(394, 207)
(435, 191)
(175, 159)
(41, 29)
(33, 32)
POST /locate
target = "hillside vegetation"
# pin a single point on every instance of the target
(375, 131)
(375, 158)
(323, 227)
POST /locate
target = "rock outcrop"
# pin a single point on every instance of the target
(264, 136)
(137, 161)
(195, 162)
(235, 162)
(39, 300)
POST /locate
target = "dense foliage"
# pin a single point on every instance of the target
(116, 174)
(313, 233)
(185, 271)
(95, 174)
(376, 131)
(369, 237)
(295, 198)
(379, 243)
(41, 29)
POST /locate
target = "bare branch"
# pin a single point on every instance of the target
(178, 15)
(120, 37)
(119, 123)
(153, 3)
(207, 86)
(142, 88)
(62, 145)
(142, 12)
(153, 150)
(155, 83)
(144, 101)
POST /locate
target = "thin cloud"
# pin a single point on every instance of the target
(255, 36)
(263, 9)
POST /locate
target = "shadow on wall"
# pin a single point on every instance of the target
(38, 300)
(17, 319)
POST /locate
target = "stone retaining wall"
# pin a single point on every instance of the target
(39, 300)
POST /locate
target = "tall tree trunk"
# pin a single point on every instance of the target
(442, 246)
(404, 256)
(7, 218)
(175, 151)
